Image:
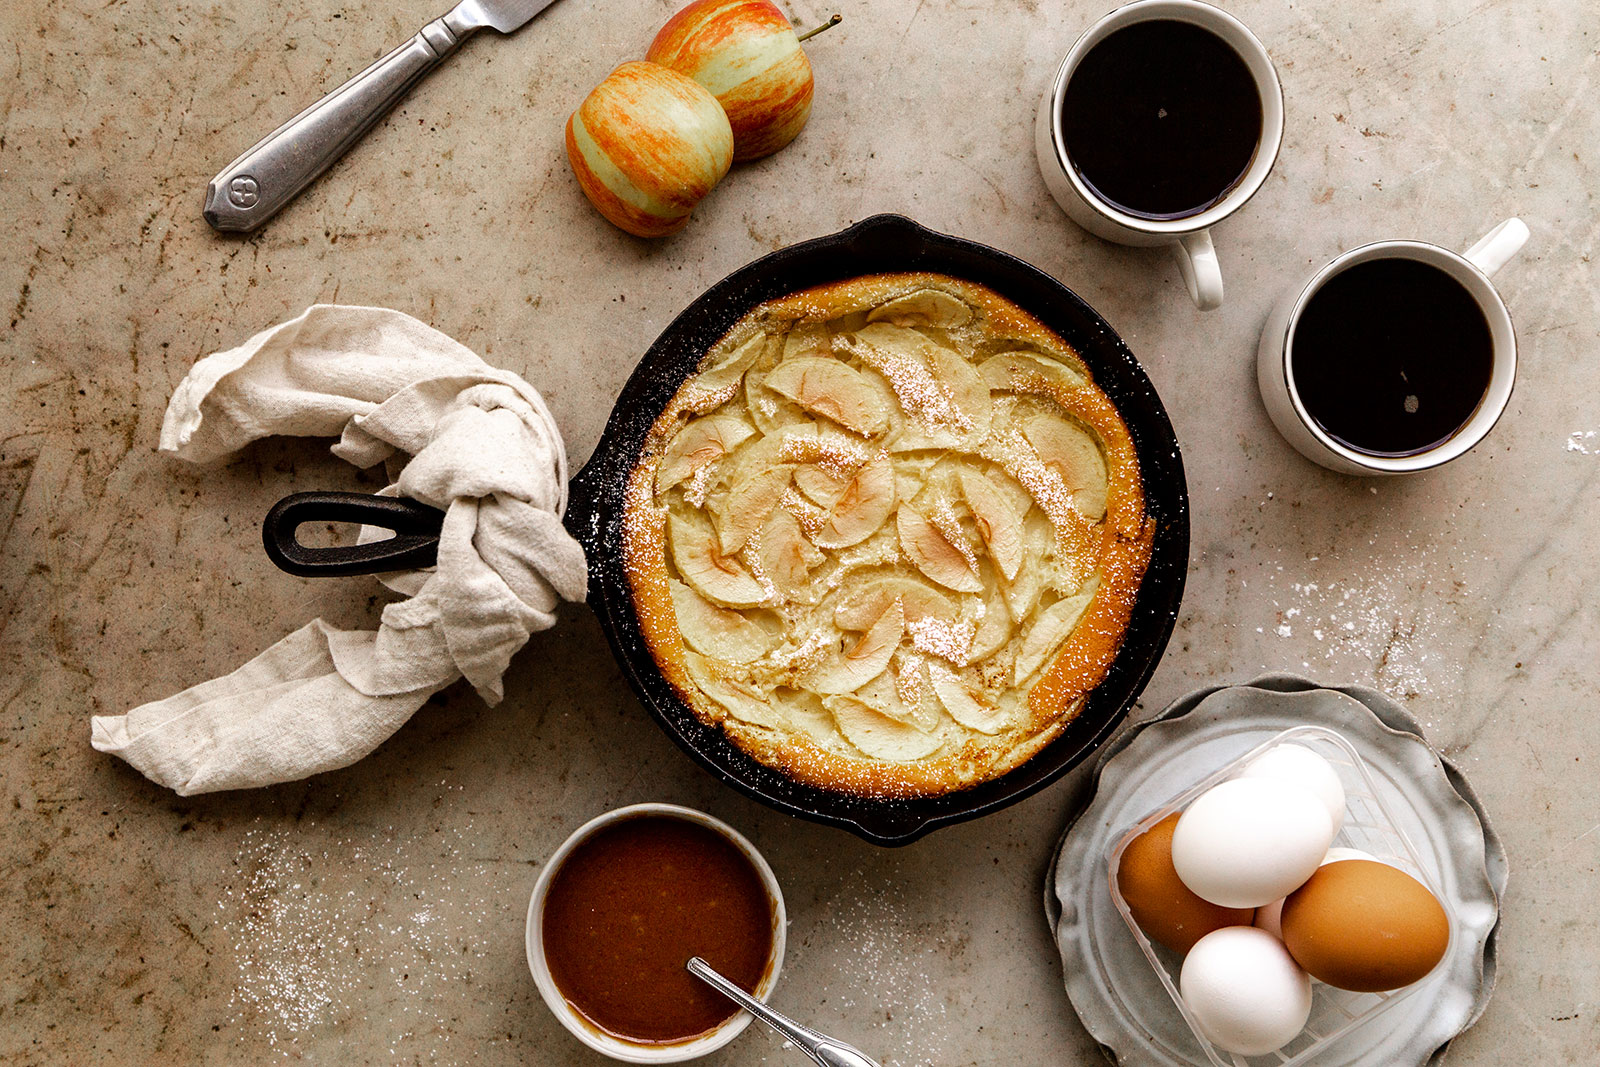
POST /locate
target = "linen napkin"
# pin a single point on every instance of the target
(465, 437)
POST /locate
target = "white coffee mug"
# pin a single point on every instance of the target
(1189, 237)
(1275, 371)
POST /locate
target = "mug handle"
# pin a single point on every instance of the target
(1197, 262)
(1497, 246)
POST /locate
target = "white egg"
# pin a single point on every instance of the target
(1269, 917)
(1303, 767)
(1248, 842)
(1245, 991)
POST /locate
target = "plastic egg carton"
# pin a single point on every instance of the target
(1368, 826)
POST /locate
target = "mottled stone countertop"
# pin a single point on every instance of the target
(374, 915)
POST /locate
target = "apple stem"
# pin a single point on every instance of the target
(830, 24)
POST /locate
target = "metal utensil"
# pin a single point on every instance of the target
(823, 1049)
(251, 189)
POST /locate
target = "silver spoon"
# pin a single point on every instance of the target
(823, 1049)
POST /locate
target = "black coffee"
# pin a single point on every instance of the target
(1161, 119)
(1391, 357)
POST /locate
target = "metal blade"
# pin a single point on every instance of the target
(501, 15)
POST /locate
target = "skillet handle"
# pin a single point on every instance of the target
(415, 543)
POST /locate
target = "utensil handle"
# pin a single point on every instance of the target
(415, 542)
(804, 1038)
(251, 189)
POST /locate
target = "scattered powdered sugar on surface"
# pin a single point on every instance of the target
(1584, 442)
(367, 922)
(886, 986)
(1385, 612)
(1371, 627)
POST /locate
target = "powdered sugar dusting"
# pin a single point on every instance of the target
(924, 397)
(939, 637)
(943, 517)
(1383, 620)
(317, 933)
(896, 1006)
(840, 456)
(1372, 623)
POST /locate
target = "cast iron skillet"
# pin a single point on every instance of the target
(594, 515)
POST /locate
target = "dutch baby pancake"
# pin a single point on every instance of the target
(888, 536)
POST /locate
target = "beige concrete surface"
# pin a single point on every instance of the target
(374, 915)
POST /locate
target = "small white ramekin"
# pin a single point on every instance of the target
(587, 1032)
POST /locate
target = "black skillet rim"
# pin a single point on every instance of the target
(884, 243)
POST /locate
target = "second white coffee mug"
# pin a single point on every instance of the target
(1472, 268)
(1189, 236)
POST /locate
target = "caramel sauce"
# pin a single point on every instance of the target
(629, 906)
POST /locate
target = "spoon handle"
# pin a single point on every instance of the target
(804, 1038)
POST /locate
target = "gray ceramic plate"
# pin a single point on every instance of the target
(1108, 979)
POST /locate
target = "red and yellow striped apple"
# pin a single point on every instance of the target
(747, 54)
(646, 145)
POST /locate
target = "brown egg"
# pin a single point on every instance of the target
(1162, 905)
(1365, 926)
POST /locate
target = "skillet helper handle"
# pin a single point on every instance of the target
(253, 188)
(415, 543)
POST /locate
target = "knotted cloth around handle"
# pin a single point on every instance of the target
(475, 441)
